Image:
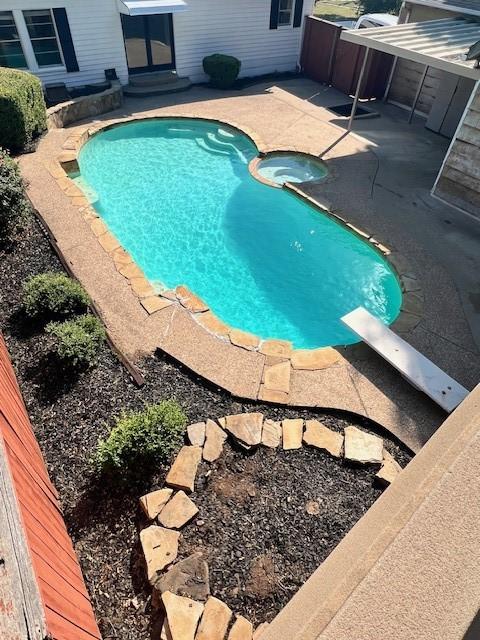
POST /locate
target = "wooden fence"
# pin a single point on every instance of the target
(327, 59)
(31, 516)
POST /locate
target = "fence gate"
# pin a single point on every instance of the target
(327, 59)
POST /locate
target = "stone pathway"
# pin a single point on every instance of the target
(182, 588)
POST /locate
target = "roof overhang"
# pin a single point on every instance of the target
(441, 44)
(456, 6)
(150, 7)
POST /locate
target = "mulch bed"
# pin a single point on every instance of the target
(260, 542)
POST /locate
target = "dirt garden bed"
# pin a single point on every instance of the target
(261, 542)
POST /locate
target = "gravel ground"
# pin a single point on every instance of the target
(261, 543)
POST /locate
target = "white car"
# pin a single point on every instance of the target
(370, 20)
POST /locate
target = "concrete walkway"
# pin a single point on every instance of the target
(380, 184)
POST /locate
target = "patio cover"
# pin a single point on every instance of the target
(150, 7)
(441, 44)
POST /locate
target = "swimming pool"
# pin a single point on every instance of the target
(179, 197)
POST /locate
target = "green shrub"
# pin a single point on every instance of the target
(223, 70)
(22, 108)
(53, 295)
(14, 205)
(142, 437)
(77, 341)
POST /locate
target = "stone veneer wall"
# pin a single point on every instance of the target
(458, 182)
(69, 112)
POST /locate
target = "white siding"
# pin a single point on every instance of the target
(235, 27)
(97, 38)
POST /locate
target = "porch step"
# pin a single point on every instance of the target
(158, 89)
(153, 79)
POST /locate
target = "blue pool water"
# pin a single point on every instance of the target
(179, 197)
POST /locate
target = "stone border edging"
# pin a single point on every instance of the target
(71, 111)
(281, 360)
(183, 587)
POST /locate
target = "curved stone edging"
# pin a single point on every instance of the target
(173, 511)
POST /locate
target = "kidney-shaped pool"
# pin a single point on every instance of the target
(179, 197)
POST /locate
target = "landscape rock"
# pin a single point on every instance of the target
(214, 441)
(292, 432)
(176, 513)
(318, 435)
(183, 615)
(152, 503)
(389, 469)
(183, 471)
(271, 434)
(187, 577)
(312, 508)
(242, 629)
(363, 447)
(277, 377)
(160, 548)
(245, 427)
(215, 620)
(196, 434)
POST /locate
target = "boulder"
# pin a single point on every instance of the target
(292, 432)
(363, 447)
(160, 548)
(152, 503)
(182, 614)
(318, 435)
(215, 620)
(183, 471)
(187, 577)
(389, 469)
(176, 513)
(214, 441)
(245, 427)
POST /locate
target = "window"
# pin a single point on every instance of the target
(11, 52)
(285, 9)
(43, 35)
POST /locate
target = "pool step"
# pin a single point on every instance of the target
(156, 89)
(223, 134)
(215, 143)
(206, 146)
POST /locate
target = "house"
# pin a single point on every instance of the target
(75, 41)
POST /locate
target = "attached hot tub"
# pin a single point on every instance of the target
(290, 167)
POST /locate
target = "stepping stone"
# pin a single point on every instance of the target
(277, 377)
(245, 427)
(215, 438)
(154, 304)
(292, 432)
(160, 548)
(196, 434)
(184, 469)
(318, 435)
(215, 620)
(242, 629)
(178, 511)
(271, 434)
(363, 447)
(259, 630)
(188, 578)
(153, 502)
(389, 469)
(183, 615)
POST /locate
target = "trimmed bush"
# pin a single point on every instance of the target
(54, 295)
(77, 341)
(142, 437)
(14, 205)
(222, 69)
(23, 114)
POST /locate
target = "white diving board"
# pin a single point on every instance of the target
(415, 367)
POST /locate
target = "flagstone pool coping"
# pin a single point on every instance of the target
(178, 324)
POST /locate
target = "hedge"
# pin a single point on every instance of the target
(222, 69)
(23, 114)
(14, 206)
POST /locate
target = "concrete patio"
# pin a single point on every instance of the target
(381, 183)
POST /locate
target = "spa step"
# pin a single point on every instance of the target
(160, 89)
(413, 366)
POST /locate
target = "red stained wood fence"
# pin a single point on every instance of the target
(327, 59)
(67, 610)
